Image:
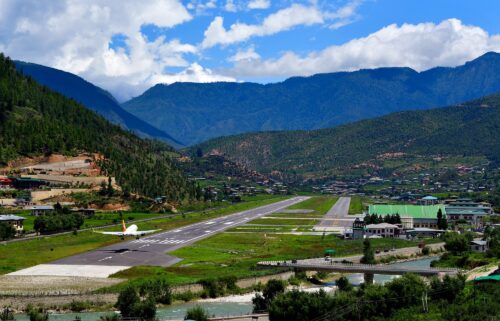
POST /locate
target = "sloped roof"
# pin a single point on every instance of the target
(415, 211)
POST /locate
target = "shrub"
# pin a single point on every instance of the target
(196, 313)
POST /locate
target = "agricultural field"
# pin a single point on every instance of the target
(47, 249)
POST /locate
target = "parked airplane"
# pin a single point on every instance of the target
(128, 231)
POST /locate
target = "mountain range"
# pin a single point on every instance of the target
(92, 97)
(195, 112)
(386, 144)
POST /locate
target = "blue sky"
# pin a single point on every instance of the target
(126, 46)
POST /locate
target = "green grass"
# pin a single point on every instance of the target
(356, 206)
(22, 254)
(320, 204)
(231, 254)
(271, 221)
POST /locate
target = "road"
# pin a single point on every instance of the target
(337, 218)
(151, 250)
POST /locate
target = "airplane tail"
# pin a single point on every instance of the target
(124, 228)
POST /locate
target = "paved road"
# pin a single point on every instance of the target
(337, 216)
(151, 250)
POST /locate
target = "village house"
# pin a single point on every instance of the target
(38, 210)
(13, 220)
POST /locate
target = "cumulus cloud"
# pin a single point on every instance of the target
(259, 4)
(418, 46)
(282, 20)
(75, 36)
(244, 55)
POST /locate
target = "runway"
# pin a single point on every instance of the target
(337, 218)
(151, 250)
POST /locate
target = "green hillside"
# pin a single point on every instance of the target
(35, 120)
(468, 130)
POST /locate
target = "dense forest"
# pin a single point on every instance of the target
(92, 97)
(469, 129)
(35, 120)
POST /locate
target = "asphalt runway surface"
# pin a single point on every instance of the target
(150, 250)
(337, 216)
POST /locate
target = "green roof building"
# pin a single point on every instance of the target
(412, 216)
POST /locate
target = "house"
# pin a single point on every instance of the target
(14, 220)
(478, 246)
(468, 211)
(382, 230)
(27, 183)
(428, 200)
(38, 210)
(87, 212)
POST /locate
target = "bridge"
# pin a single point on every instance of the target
(332, 266)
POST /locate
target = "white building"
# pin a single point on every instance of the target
(382, 230)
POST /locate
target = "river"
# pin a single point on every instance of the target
(235, 305)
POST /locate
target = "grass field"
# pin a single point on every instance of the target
(230, 254)
(357, 205)
(22, 254)
(320, 204)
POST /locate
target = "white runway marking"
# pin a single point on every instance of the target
(208, 223)
(227, 223)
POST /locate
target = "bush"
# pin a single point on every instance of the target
(110, 317)
(7, 315)
(7, 231)
(343, 284)
(38, 314)
(196, 313)
(426, 250)
(158, 290)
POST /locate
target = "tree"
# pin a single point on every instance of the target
(127, 299)
(406, 290)
(456, 243)
(7, 231)
(442, 224)
(368, 254)
(110, 190)
(196, 313)
(343, 284)
(158, 290)
(272, 289)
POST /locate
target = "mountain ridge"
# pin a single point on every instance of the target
(93, 97)
(197, 112)
(470, 129)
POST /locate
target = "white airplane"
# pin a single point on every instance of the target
(128, 231)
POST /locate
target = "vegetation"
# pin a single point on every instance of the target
(36, 121)
(132, 305)
(197, 112)
(196, 313)
(416, 135)
(405, 298)
(236, 255)
(368, 253)
(374, 219)
(57, 222)
(48, 249)
(7, 231)
(272, 289)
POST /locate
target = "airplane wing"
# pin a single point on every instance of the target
(111, 233)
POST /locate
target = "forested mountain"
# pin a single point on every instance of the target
(35, 120)
(465, 130)
(195, 112)
(92, 97)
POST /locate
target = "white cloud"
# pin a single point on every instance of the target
(282, 20)
(194, 73)
(74, 36)
(230, 6)
(244, 54)
(259, 4)
(418, 46)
